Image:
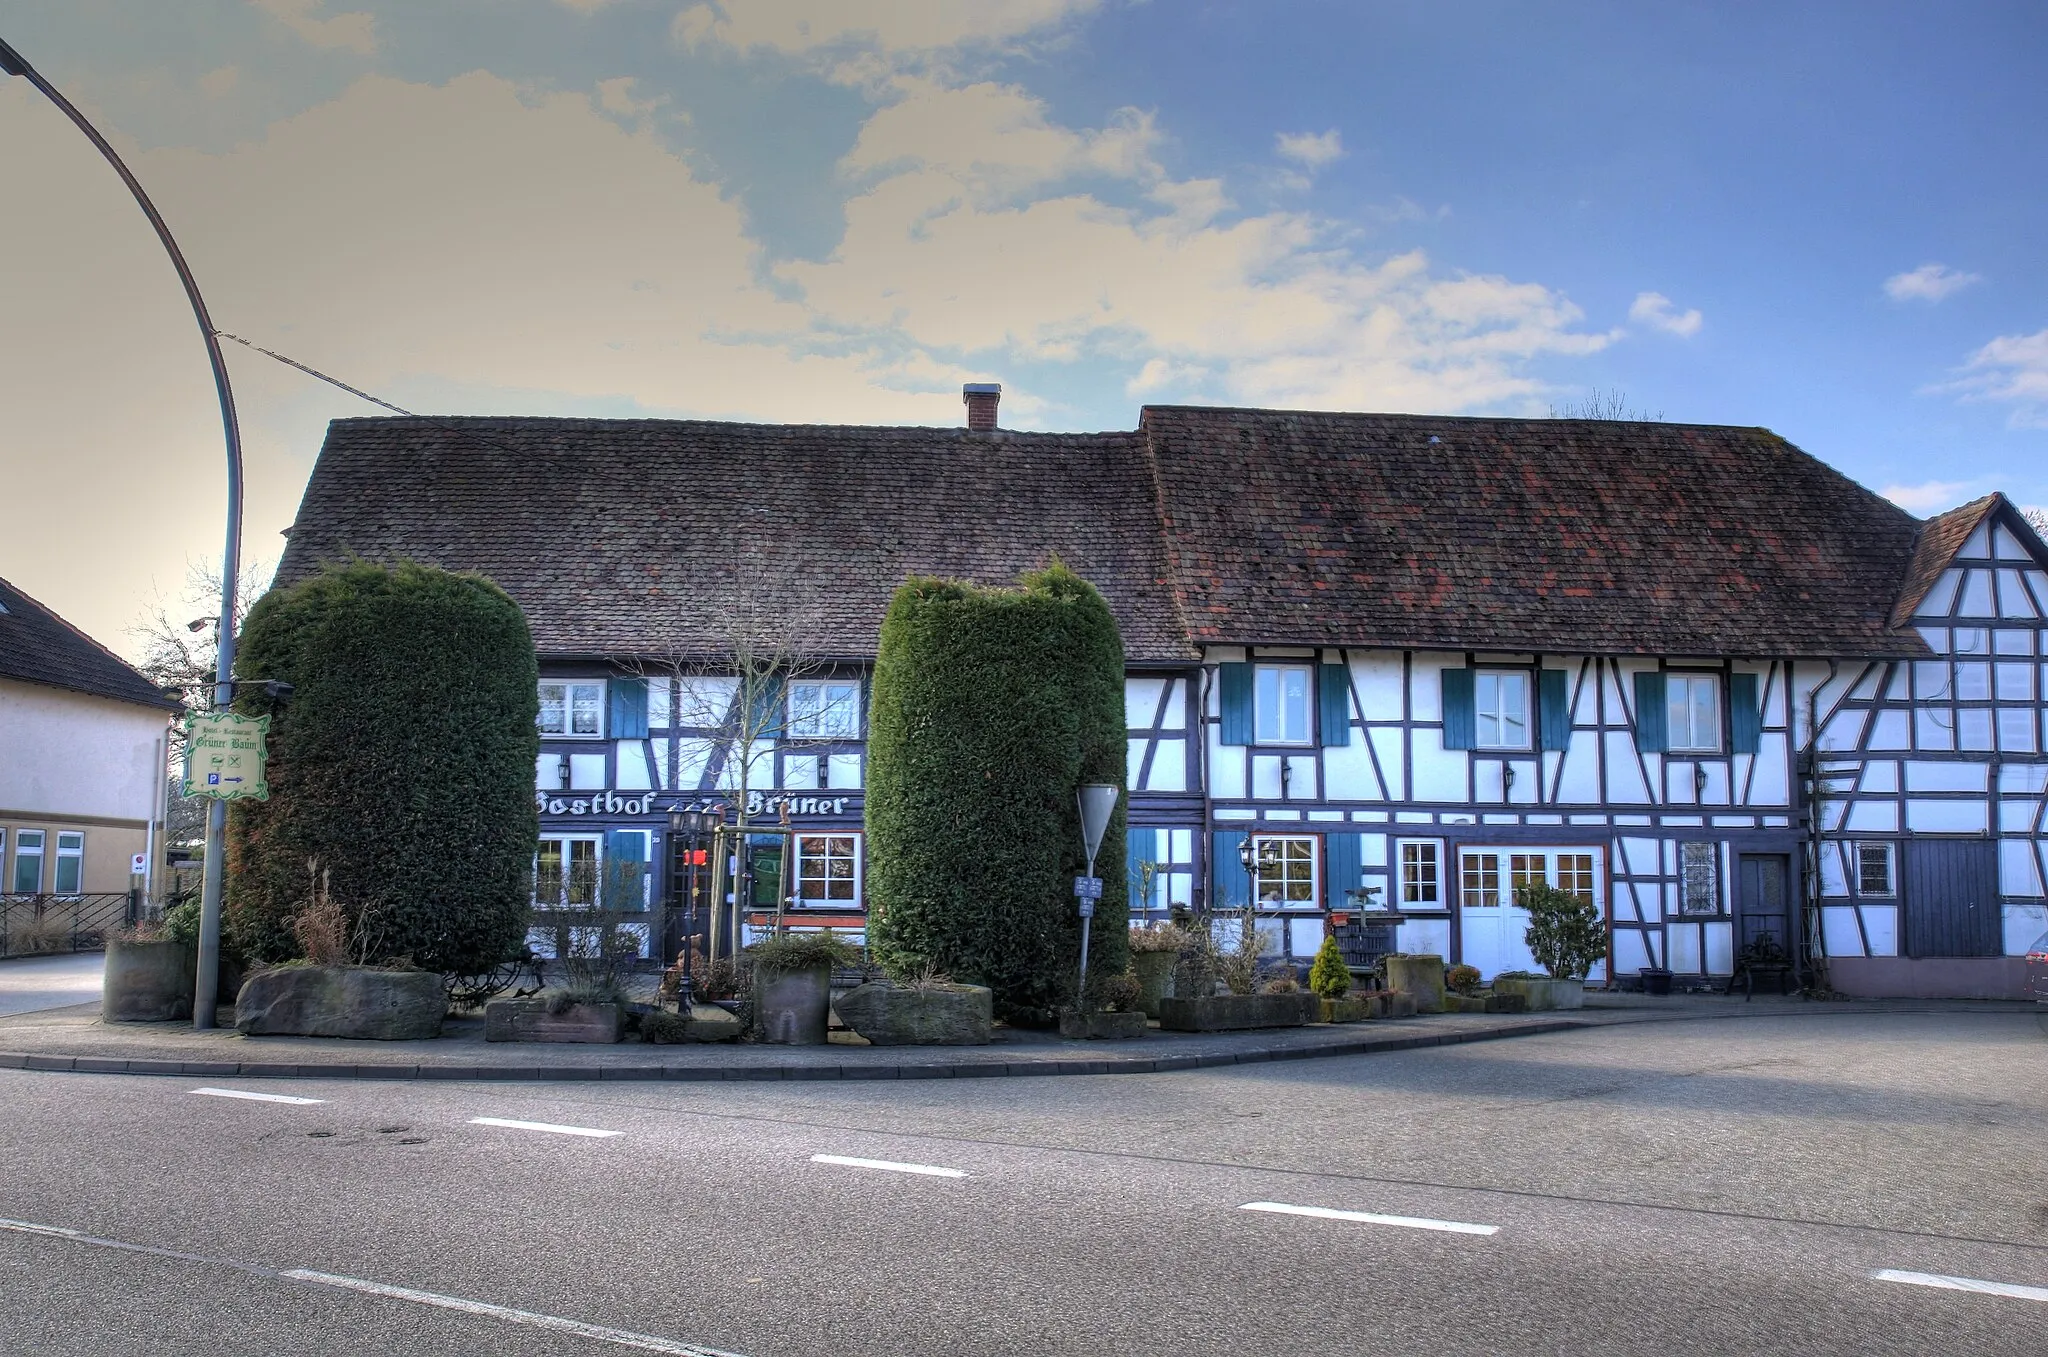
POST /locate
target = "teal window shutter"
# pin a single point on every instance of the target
(1651, 718)
(629, 708)
(625, 868)
(1745, 715)
(1333, 705)
(1140, 845)
(769, 712)
(1554, 709)
(1343, 868)
(1234, 689)
(1461, 715)
(1230, 887)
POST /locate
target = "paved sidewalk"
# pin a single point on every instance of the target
(74, 1039)
(28, 984)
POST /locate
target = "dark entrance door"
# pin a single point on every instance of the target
(1951, 898)
(1762, 899)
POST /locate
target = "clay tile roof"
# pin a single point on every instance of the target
(1521, 535)
(619, 537)
(37, 646)
(1941, 537)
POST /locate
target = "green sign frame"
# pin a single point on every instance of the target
(227, 757)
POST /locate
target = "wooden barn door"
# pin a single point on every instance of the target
(1951, 899)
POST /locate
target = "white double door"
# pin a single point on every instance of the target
(1492, 928)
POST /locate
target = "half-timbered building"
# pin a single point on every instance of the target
(1417, 661)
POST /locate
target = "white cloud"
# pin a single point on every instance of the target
(355, 31)
(1655, 310)
(1311, 149)
(2013, 370)
(220, 82)
(801, 27)
(1928, 283)
(1928, 497)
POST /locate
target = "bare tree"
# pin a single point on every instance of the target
(1606, 405)
(2037, 519)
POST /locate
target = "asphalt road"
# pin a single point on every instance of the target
(1713, 1186)
(31, 984)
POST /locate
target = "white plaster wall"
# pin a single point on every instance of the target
(64, 753)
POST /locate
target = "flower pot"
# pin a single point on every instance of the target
(341, 1001)
(1422, 976)
(791, 1007)
(1656, 980)
(1155, 977)
(1239, 1012)
(147, 982)
(932, 1015)
(530, 1020)
(1098, 1026)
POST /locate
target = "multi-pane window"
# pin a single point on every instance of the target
(572, 708)
(1501, 702)
(1699, 889)
(1286, 870)
(69, 875)
(1575, 875)
(828, 869)
(824, 711)
(565, 872)
(1280, 704)
(1692, 713)
(1161, 864)
(1527, 869)
(1481, 880)
(1873, 869)
(28, 862)
(1421, 875)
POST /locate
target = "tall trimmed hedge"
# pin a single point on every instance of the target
(402, 764)
(991, 707)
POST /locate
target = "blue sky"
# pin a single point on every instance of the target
(1827, 219)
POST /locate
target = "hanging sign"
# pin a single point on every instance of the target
(226, 756)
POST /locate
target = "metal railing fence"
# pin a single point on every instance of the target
(44, 923)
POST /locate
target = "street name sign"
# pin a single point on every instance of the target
(226, 756)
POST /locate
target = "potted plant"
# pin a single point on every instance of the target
(598, 953)
(1197, 1006)
(1110, 1009)
(1567, 938)
(793, 986)
(1330, 979)
(148, 975)
(919, 1006)
(1155, 951)
(1420, 975)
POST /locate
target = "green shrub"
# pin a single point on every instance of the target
(991, 708)
(1329, 976)
(402, 765)
(802, 952)
(1566, 934)
(1461, 979)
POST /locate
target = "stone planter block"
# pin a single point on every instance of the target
(147, 982)
(1155, 978)
(1400, 1004)
(529, 1020)
(1507, 1003)
(1464, 1003)
(941, 1015)
(1350, 1010)
(1238, 1012)
(1421, 976)
(341, 1001)
(1102, 1026)
(791, 1007)
(1541, 993)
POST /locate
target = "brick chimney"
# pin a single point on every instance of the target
(982, 399)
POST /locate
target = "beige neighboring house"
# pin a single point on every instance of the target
(81, 760)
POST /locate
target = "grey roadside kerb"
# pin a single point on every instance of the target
(788, 1071)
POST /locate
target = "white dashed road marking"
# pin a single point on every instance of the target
(258, 1097)
(1372, 1218)
(928, 1170)
(577, 1328)
(544, 1126)
(1941, 1283)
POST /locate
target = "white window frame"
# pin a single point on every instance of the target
(1703, 854)
(1681, 733)
(1497, 710)
(818, 718)
(1276, 675)
(799, 857)
(14, 867)
(569, 687)
(74, 853)
(1289, 879)
(1889, 859)
(1435, 850)
(562, 901)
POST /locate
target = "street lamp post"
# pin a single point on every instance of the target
(207, 981)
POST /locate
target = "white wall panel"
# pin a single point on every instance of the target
(1889, 731)
(1834, 878)
(1439, 772)
(692, 756)
(1302, 783)
(1376, 676)
(1882, 923)
(2019, 869)
(1169, 767)
(1348, 770)
(1839, 932)
(1141, 699)
(1134, 759)
(1266, 776)
(1625, 784)
(1770, 781)
(1390, 744)
(1629, 953)
(1947, 817)
(1227, 770)
(1873, 817)
(634, 773)
(1720, 952)
(1844, 730)
(1426, 690)
(1579, 783)
(586, 772)
(2024, 926)
(1682, 941)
